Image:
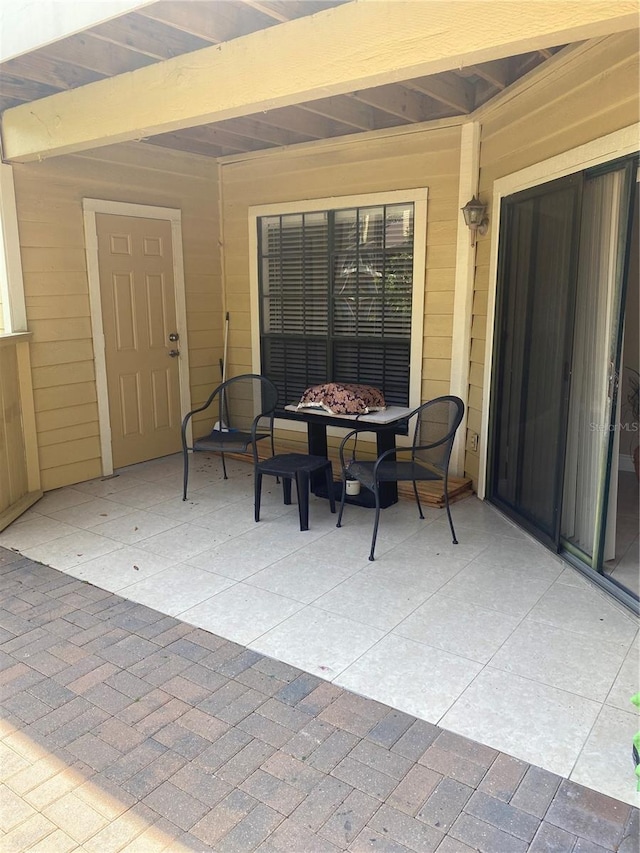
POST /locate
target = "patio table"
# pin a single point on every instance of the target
(386, 425)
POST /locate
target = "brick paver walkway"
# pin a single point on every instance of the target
(128, 730)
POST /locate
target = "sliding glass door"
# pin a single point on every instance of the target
(557, 356)
(538, 264)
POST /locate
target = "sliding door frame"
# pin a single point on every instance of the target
(605, 149)
(601, 151)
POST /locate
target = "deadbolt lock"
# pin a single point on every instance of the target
(174, 336)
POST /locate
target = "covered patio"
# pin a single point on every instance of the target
(196, 130)
(495, 639)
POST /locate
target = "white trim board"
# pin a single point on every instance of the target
(11, 280)
(464, 285)
(92, 206)
(620, 143)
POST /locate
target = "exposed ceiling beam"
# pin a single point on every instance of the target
(50, 72)
(179, 142)
(250, 128)
(294, 120)
(343, 110)
(96, 55)
(300, 61)
(396, 101)
(496, 73)
(23, 90)
(451, 91)
(267, 10)
(145, 35)
(215, 23)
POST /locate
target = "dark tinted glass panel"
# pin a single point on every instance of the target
(536, 309)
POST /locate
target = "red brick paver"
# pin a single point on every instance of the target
(128, 731)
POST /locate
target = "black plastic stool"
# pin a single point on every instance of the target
(300, 466)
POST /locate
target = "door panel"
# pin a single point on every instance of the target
(539, 239)
(596, 359)
(138, 309)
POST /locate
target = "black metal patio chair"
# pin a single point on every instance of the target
(244, 409)
(427, 458)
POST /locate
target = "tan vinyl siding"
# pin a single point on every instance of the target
(427, 158)
(588, 93)
(49, 200)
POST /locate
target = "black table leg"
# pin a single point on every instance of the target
(386, 440)
(317, 442)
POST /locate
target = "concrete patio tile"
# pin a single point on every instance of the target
(460, 627)
(395, 671)
(489, 711)
(498, 589)
(604, 761)
(587, 611)
(561, 658)
(241, 612)
(167, 590)
(319, 642)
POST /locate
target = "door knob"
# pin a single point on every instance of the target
(174, 353)
(174, 336)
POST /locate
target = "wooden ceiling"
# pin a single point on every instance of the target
(169, 28)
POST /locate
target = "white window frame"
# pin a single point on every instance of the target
(418, 196)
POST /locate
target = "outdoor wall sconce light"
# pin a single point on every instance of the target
(475, 219)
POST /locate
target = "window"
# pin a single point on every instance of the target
(336, 296)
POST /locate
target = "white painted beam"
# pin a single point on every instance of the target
(463, 296)
(354, 46)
